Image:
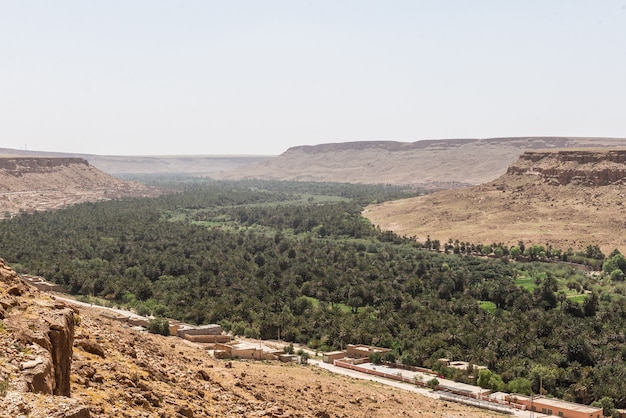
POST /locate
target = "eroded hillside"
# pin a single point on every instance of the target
(437, 164)
(35, 183)
(49, 350)
(568, 198)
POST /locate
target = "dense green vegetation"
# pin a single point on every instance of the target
(297, 262)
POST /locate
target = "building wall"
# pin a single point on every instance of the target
(207, 338)
(566, 410)
(363, 351)
(247, 353)
(136, 322)
(333, 355)
(204, 330)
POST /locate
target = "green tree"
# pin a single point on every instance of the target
(520, 385)
(608, 406)
(159, 326)
(489, 380)
(432, 383)
(389, 357)
(376, 357)
(304, 356)
(615, 263)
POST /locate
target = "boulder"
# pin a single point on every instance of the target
(91, 347)
(38, 374)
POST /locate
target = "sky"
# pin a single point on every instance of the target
(199, 77)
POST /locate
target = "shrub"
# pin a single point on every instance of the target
(389, 357)
(4, 387)
(375, 357)
(433, 383)
(159, 326)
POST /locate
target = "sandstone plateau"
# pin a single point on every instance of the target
(56, 361)
(567, 198)
(434, 164)
(37, 183)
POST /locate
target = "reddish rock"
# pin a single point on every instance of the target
(91, 347)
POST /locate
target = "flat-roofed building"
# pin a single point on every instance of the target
(331, 356)
(558, 407)
(247, 351)
(364, 351)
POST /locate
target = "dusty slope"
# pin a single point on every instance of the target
(205, 165)
(540, 200)
(118, 372)
(438, 164)
(32, 184)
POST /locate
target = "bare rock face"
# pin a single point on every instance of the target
(46, 183)
(38, 373)
(16, 166)
(577, 166)
(21, 404)
(44, 336)
(49, 335)
(61, 335)
(91, 347)
(434, 164)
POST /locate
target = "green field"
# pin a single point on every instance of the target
(487, 306)
(526, 282)
(343, 307)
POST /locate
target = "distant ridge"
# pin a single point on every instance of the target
(441, 163)
(202, 165)
(521, 142)
(436, 164)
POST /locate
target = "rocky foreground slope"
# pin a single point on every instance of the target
(37, 183)
(437, 164)
(568, 198)
(56, 361)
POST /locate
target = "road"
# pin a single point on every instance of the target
(104, 308)
(330, 367)
(409, 387)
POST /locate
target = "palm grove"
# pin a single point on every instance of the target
(297, 261)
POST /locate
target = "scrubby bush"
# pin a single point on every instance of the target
(432, 383)
(159, 326)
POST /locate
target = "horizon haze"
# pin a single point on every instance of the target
(233, 78)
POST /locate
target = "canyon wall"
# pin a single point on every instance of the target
(576, 166)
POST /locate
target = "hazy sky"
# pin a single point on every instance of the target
(256, 77)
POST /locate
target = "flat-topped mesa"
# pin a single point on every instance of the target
(586, 167)
(30, 184)
(20, 165)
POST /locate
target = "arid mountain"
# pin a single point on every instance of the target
(37, 183)
(57, 361)
(437, 164)
(568, 198)
(201, 165)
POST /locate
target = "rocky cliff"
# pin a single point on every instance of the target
(18, 166)
(201, 165)
(37, 338)
(569, 198)
(435, 164)
(578, 166)
(33, 183)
